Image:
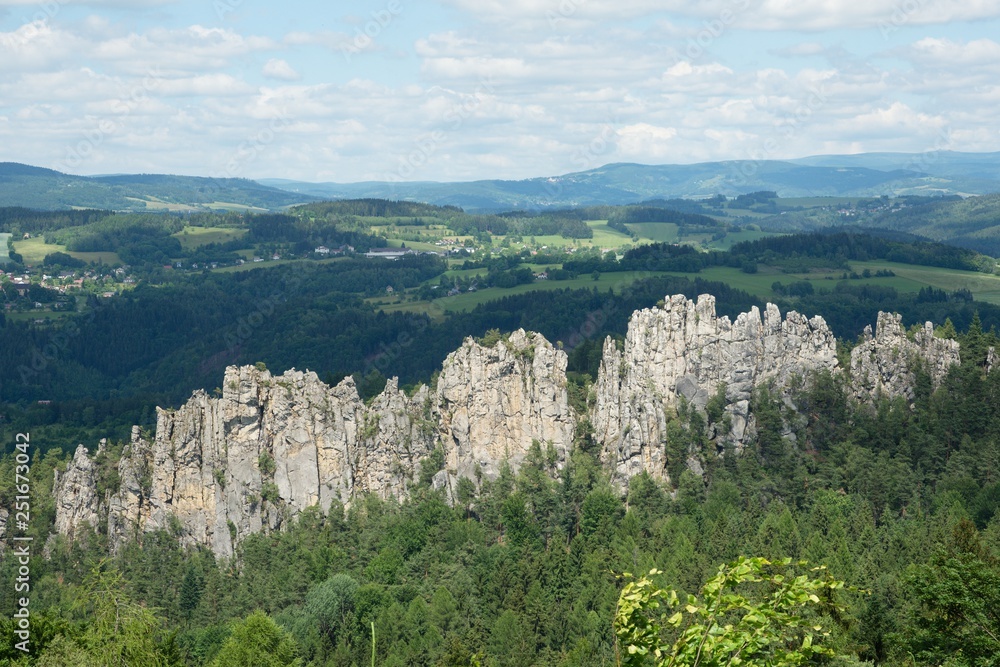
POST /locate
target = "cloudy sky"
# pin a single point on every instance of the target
(466, 89)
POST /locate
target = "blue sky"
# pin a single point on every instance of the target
(470, 89)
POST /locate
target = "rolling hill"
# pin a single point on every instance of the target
(38, 188)
(864, 175)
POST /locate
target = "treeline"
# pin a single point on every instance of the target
(531, 225)
(622, 215)
(793, 253)
(377, 208)
(898, 499)
(305, 233)
(135, 238)
(21, 221)
(839, 247)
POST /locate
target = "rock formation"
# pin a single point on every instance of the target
(77, 501)
(252, 459)
(494, 401)
(219, 469)
(884, 363)
(684, 350)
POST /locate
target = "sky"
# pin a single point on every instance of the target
(459, 90)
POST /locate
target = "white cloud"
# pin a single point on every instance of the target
(808, 15)
(936, 52)
(512, 94)
(280, 70)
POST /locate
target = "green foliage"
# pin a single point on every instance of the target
(753, 612)
(431, 465)
(956, 617)
(257, 641)
(61, 259)
(266, 465)
(491, 338)
(120, 630)
(269, 492)
(331, 605)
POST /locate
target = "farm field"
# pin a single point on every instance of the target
(4, 258)
(34, 251)
(469, 300)
(662, 232)
(984, 286)
(194, 237)
(908, 279)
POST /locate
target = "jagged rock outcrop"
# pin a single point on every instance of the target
(883, 364)
(269, 447)
(221, 468)
(77, 502)
(250, 460)
(683, 349)
(494, 401)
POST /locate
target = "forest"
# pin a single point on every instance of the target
(898, 500)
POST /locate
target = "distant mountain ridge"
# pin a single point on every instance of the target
(40, 188)
(860, 175)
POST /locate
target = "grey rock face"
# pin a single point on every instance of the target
(222, 468)
(685, 350)
(882, 364)
(219, 469)
(77, 501)
(251, 460)
(494, 401)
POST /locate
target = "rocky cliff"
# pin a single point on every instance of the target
(250, 460)
(884, 363)
(493, 402)
(683, 350)
(220, 468)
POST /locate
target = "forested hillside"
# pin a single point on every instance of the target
(899, 500)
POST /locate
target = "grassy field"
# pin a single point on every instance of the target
(468, 300)
(154, 204)
(908, 279)
(661, 232)
(228, 206)
(34, 251)
(733, 238)
(194, 237)
(984, 287)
